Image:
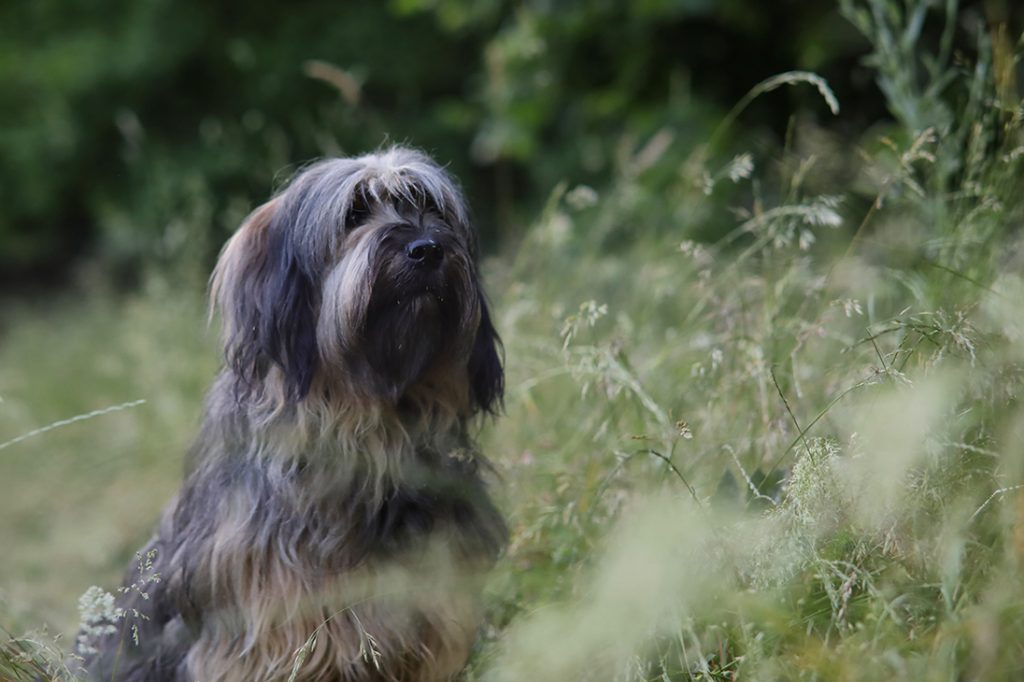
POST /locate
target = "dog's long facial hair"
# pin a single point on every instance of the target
(333, 520)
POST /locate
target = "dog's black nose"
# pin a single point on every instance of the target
(425, 252)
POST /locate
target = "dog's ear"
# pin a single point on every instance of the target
(268, 302)
(486, 375)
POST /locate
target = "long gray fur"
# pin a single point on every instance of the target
(334, 523)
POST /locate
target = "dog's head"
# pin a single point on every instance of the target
(361, 271)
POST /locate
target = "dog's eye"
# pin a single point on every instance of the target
(357, 216)
(358, 211)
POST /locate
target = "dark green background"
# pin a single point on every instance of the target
(133, 130)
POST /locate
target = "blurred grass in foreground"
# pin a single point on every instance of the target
(792, 454)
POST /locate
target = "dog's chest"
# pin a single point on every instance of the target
(393, 565)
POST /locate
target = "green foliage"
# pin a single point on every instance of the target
(142, 132)
(128, 118)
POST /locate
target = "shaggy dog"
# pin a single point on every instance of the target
(333, 523)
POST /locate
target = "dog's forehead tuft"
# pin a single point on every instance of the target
(411, 177)
(333, 188)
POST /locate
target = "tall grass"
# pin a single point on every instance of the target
(791, 453)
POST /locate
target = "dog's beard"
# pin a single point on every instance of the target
(406, 334)
(394, 322)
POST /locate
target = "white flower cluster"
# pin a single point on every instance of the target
(741, 167)
(97, 616)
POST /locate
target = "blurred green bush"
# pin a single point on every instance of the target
(139, 130)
